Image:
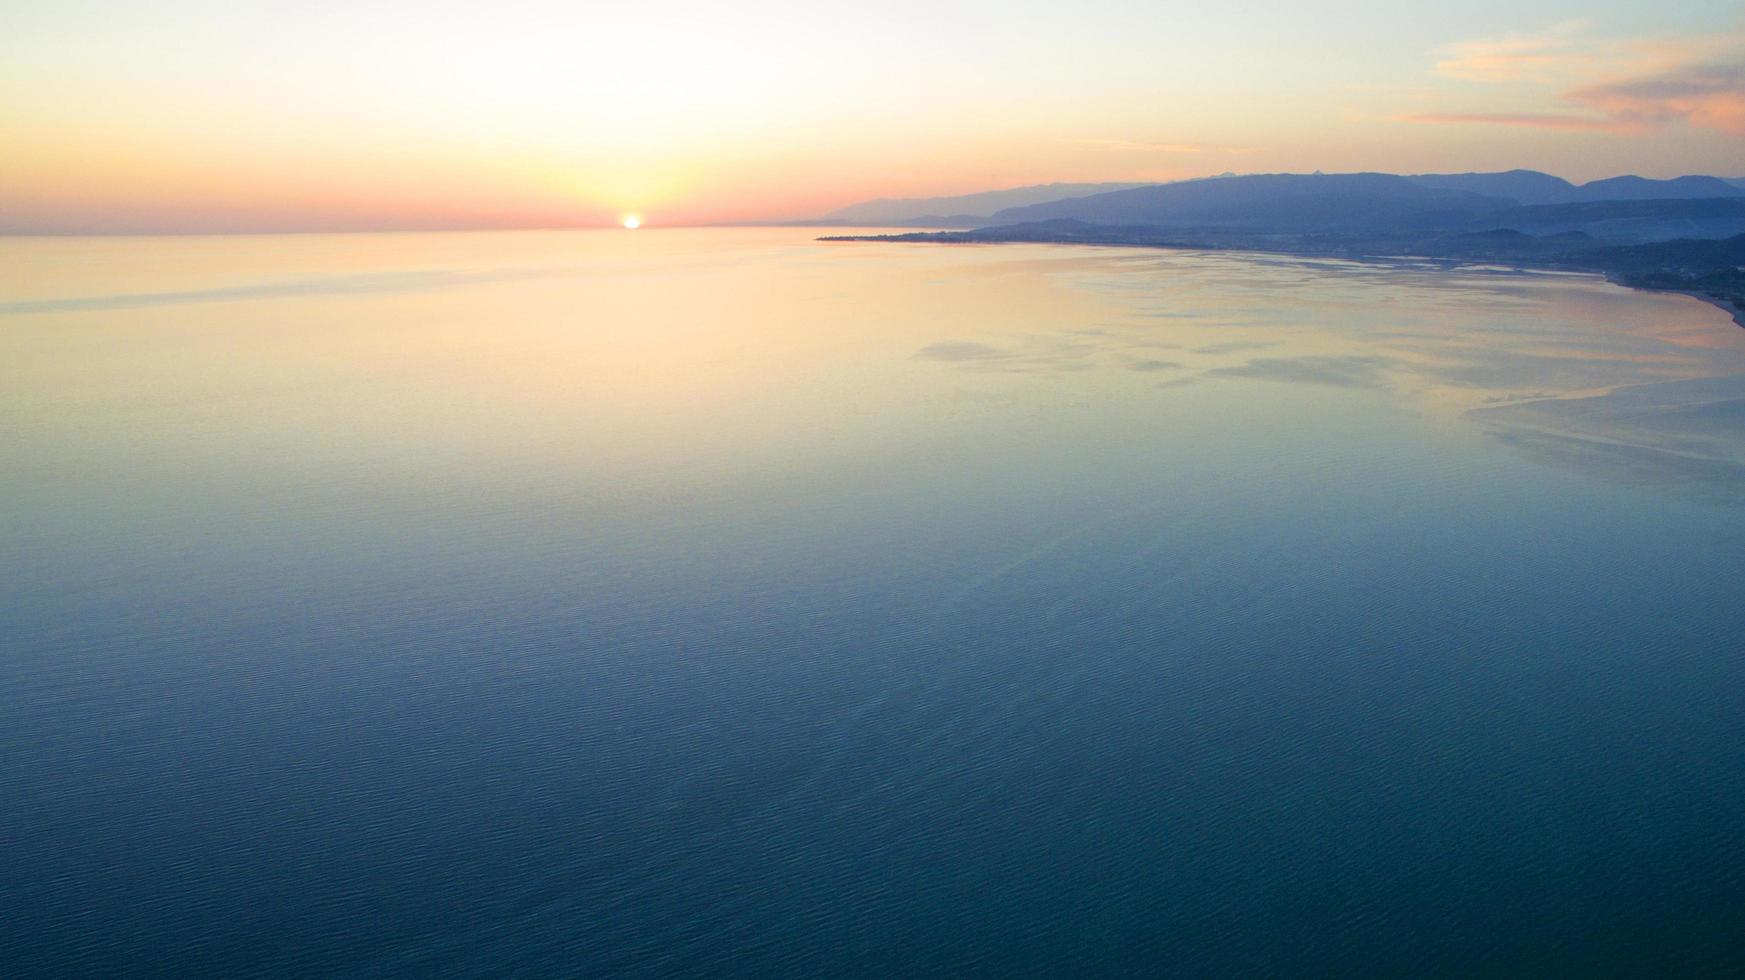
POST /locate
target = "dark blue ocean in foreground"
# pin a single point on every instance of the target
(725, 603)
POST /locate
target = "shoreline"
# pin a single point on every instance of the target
(1724, 305)
(1728, 306)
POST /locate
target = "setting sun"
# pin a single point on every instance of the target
(633, 221)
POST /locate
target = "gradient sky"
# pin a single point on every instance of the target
(184, 115)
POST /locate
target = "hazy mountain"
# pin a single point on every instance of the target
(1630, 222)
(941, 221)
(1688, 256)
(1533, 187)
(1522, 186)
(1288, 202)
(963, 209)
(1272, 202)
(1643, 189)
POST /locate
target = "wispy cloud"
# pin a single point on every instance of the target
(1529, 119)
(1706, 96)
(1572, 79)
(1516, 57)
(1144, 146)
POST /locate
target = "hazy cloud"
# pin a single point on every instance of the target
(1611, 85)
(1706, 96)
(1143, 146)
(1514, 57)
(1535, 120)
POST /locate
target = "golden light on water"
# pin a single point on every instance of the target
(633, 221)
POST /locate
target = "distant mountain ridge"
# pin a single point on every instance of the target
(963, 208)
(1644, 189)
(1372, 200)
(1533, 187)
(1620, 211)
(1630, 222)
(1521, 186)
(1293, 203)
(1649, 233)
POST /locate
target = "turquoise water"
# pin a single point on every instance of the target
(725, 602)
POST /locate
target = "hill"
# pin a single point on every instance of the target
(964, 209)
(1643, 189)
(1630, 221)
(1287, 203)
(1520, 186)
(1685, 257)
(1382, 200)
(1532, 187)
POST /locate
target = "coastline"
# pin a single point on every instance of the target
(1732, 306)
(1736, 310)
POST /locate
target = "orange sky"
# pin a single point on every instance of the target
(194, 115)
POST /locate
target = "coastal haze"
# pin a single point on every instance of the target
(804, 490)
(1478, 193)
(194, 115)
(726, 602)
(1651, 234)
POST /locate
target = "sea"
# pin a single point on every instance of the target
(727, 603)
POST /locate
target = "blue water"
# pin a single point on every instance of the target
(731, 604)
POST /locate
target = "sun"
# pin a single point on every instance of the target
(632, 221)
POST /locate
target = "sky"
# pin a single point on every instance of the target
(194, 115)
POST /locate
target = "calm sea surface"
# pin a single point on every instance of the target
(685, 602)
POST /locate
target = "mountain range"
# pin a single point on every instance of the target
(964, 210)
(1612, 209)
(1687, 233)
(1533, 187)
